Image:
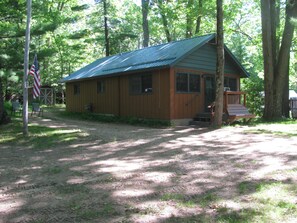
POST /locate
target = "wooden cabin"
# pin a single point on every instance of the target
(173, 81)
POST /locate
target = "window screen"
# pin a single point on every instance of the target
(100, 86)
(187, 83)
(182, 82)
(141, 84)
(230, 83)
(76, 89)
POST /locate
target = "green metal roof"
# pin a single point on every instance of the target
(163, 55)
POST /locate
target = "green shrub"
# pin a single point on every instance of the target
(117, 119)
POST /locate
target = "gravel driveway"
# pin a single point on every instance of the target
(122, 173)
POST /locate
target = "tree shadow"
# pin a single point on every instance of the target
(153, 175)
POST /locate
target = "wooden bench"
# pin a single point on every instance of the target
(238, 111)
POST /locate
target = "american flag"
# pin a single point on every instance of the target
(34, 71)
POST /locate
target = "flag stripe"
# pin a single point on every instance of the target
(34, 71)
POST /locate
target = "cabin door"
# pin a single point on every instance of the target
(209, 91)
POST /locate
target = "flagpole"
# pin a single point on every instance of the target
(26, 65)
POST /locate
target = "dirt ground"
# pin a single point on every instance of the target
(122, 173)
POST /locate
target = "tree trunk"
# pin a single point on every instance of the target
(1, 102)
(268, 59)
(189, 25)
(199, 17)
(164, 21)
(107, 50)
(282, 71)
(286, 107)
(219, 102)
(145, 25)
(276, 60)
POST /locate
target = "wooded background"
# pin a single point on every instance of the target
(68, 34)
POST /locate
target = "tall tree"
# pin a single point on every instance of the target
(276, 63)
(219, 102)
(145, 25)
(199, 17)
(106, 28)
(161, 5)
(189, 19)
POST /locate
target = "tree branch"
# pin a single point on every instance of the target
(243, 33)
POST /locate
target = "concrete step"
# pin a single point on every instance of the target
(199, 123)
(203, 117)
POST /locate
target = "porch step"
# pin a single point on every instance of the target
(199, 123)
(203, 117)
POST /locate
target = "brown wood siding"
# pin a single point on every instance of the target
(163, 103)
(150, 105)
(187, 105)
(117, 99)
(106, 102)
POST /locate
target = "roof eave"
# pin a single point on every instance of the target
(117, 74)
(241, 68)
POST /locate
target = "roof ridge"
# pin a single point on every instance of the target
(158, 45)
(161, 55)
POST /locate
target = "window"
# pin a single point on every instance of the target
(76, 89)
(182, 82)
(100, 86)
(141, 84)
(187, 83)
(230, 83)
(194, 83)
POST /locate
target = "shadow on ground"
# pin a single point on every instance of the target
(121, 173)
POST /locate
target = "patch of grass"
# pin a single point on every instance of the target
(40, 137)
(77, 173)
(270, 201)
(106, 210)
(38, 221)
(75, 206)
(264, 186)
(200, 218)
(240, 165)
(72, 188)
(243, 187)
(53, 170)
(179, 199)
(294, 170)
(172, 197)
(242, 216)
(266, 131)
(183, 201)
(287, 205)
(89, 214)
(286, 121)
(207, 198)
(280, 127)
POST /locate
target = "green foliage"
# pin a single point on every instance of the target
(69, 34)
(255, 96)
(7, 106)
